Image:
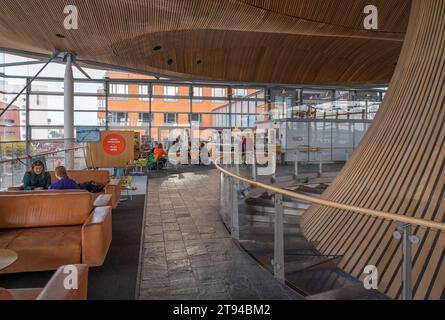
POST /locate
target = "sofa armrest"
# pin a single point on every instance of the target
(114, 188)
(5, 295)
(55, 288)
(96, 237)
(103, 200)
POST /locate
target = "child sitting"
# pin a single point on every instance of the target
(64, 182)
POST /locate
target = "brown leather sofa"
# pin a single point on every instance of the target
(54, 290)
(51, 230)
(112, 186)
(99, 200)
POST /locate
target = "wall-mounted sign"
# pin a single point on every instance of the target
(114, 144)
(87, 134)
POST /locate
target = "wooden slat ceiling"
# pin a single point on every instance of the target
(276, 41)
(398, 168)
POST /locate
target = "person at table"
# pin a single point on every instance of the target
(64, 182)
(160, 154)
(37, 178)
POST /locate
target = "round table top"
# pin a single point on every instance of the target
(7, 258)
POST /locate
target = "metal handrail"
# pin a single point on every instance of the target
(327, 203)
(39, 155)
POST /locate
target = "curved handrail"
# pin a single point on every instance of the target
(336, 205)
(40, 155)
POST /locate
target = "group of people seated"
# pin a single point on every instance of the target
(157, 157)
(40, 179)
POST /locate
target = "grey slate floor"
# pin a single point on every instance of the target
(188, 253)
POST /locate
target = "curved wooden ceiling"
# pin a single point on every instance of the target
(276, 41)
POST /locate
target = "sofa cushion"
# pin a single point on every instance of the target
(44, 210)
(42, 249)
(82, 176)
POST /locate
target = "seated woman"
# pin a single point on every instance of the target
(159, 154)
(37, 178)
(64, 182)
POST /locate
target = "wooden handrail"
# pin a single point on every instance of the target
(332, 204)
(41, 155)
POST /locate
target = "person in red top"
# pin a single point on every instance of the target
(160, 155)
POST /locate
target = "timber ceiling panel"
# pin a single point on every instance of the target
(279, 41)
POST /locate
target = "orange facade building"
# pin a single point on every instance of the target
(171, 106)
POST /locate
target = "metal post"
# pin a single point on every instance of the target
(28, 128)
(69, 113)
(234, 207)
(254, 175)
(228, 199)
(403, 232)
(230, 106)
(278, 262)
(407, 264)
(150, 113)
(296, 165)
(191, 95)
(13, 164)
(107, 93)
(274, 165)
(222, 193)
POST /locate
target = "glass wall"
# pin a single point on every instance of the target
(325, 140)
(155, 107)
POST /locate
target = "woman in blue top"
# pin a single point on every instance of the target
(64, 182)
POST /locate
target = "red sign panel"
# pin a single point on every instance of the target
(114, 144)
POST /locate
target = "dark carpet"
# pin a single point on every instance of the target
(116, 279)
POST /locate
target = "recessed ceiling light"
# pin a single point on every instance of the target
(157, 48)
(59, 35)
(170, 61)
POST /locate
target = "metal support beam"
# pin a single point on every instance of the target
(55, 54)
(28, 127)
(82, 71)
(25, 63)
(69, 113)
(278, 261)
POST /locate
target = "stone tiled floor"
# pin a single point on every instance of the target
(188, 253)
